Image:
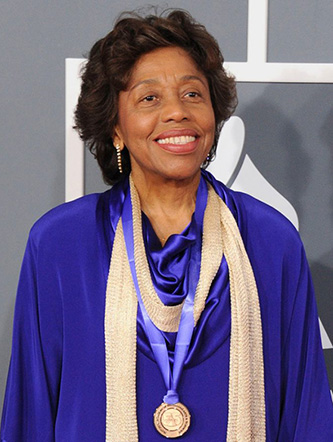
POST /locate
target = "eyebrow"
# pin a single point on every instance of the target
(155, 81)
(148, 81)
(192, 77)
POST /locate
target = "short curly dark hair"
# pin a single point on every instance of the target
(108, 71)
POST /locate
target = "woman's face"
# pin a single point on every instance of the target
(166, 119)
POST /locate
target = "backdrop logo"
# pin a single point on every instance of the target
(234, 167)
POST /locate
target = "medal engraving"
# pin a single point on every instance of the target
(172, 420)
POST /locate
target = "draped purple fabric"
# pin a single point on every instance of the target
(169, 265)
(56, 382)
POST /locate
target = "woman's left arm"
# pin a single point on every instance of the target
(306, 409)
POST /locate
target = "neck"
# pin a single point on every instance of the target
(169, 204)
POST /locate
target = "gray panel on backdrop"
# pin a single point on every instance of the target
(300, 31)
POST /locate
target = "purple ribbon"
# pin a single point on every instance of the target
(170, 376)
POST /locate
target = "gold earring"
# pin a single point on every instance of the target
(120, 166)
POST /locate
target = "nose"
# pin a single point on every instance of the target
(174, 109)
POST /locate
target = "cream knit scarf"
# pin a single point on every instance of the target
(246, 407)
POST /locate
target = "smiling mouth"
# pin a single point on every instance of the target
(184, 139)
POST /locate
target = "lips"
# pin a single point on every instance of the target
(184, 139)
(171, 133)
(179, 141)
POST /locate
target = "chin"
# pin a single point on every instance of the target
(180, 173)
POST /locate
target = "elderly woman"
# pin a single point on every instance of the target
(169, 306)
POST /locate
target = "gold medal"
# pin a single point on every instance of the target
(172, 420)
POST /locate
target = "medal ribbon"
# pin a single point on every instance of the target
(170, 376)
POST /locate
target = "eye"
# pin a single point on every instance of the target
(195, 96)
(149, 98)
(192, 94)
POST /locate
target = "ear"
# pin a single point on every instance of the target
(117, 138)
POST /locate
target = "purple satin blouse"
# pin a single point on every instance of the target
(56, 381)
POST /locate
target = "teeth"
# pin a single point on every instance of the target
(176, 140)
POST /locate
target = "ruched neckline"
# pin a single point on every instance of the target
(169, 265)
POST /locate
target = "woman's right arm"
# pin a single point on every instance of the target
(33, 384)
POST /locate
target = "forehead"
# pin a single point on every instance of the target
(163, 63)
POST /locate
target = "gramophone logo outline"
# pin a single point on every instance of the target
(234, 167)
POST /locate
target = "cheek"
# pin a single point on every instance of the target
(210, 126)
(138, 128)
(208, 119)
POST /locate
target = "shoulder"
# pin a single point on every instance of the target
(269, 237)
(258, 222)
(68, 220)
(254, 212)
